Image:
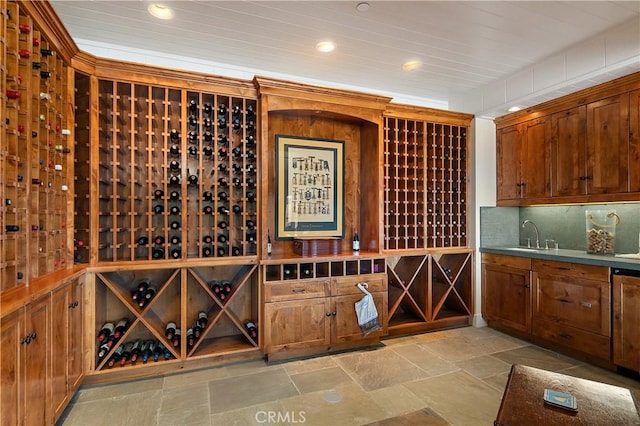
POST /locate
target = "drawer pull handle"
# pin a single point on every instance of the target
(586, 304)
(298, 290)
(566, 336)
(564, 300)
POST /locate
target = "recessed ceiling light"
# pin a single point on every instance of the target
(514, 108)
(160, 11)
(411, 65)
(362, 7)
(325, 46)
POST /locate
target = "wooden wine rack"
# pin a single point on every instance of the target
(429, 291)
(35, 152)
(181, 294)
(155, 141)
(425, 174)
(82, 169)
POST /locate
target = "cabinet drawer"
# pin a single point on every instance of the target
(573, 338)
(575, 302)
(296, 290)
(347, 285)
(600, 273)
(510, 261)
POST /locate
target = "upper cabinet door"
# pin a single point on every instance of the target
(634, 141)
(535, 166)
(508, 152)
(568, 152)
(608, 145)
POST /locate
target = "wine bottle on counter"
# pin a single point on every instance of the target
(251, 328)
(355, 244)
(269, 246)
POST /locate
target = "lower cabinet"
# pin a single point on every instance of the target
(626, 317)
(506, 292)
(571, 306)
(317, 315)
(559, 304)
(25, 365)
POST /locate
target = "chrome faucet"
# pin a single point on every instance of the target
(535, 228)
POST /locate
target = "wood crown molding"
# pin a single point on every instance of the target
(428, 114)
(611, 88)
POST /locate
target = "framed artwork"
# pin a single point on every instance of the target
(309, 187)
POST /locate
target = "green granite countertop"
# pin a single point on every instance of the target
(563, 255)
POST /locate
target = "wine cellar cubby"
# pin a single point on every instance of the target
(425, 174)
(177, 173)
(428, 291)
(35, 152)
(173, 314)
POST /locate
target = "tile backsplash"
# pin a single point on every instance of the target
(564, 224)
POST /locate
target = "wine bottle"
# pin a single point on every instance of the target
(177, 336)
(222, 181)
(126, 353)
(236, 209)
(207, 108)
(250, 111)
(103, 350)
(251, 237)
(176, 253)
(174, 225)
(207, 124)
(174, 210)
(121, 327)
(147, 350)
(207, 196)
(223, 196)
(193, 151)
(207, 251)
(207, 239)
(251, 196)
(251, 169)
(149, 293)
(251, 328)
(174, 165)
(222, 251)
(11, 228)
(174, 180)
(207, 151)
(158, 208)
(158, 351)
(251, 155)
(222, 139)
(174, 196)
(216, 288)
(46, 52)
(190, 338)
(45, 74)
(143, 241)
(116, 356)
(196, 329)
(236, 251)
(251, 125)
(159, 239)
(193, 122)
(105, 331)
(222, 152)
(236, 181)
(207, 210)
(237, 168)
(251, 141)
(192, 137)
(222, 238)
(193, 106)
(237, 152)
(135, 350)
(175, 239)
(158, 193)
(174, 135)
(269, 246)
(356, 241)
(203, 320)
(158, 253)
(250, 224)
(222, 167)
(226, 287)
(251, 182)
(170, 330)
(193, 179)
(223, 210)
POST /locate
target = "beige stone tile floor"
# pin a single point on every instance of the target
(452, 377)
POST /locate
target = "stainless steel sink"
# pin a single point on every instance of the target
(528, 248)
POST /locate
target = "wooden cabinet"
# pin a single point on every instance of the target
(594, 153)
(571, 306)
(317, 314)
(626, 317)
(25, 364)
(608, 145)
(430, 291)
(506, 292)
(523, 160)
(66, 337)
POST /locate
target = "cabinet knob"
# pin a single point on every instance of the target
(328, 314)
(527, 286)
(333, 313)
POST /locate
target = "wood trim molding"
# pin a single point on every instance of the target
(428, 114)
(611, 88)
